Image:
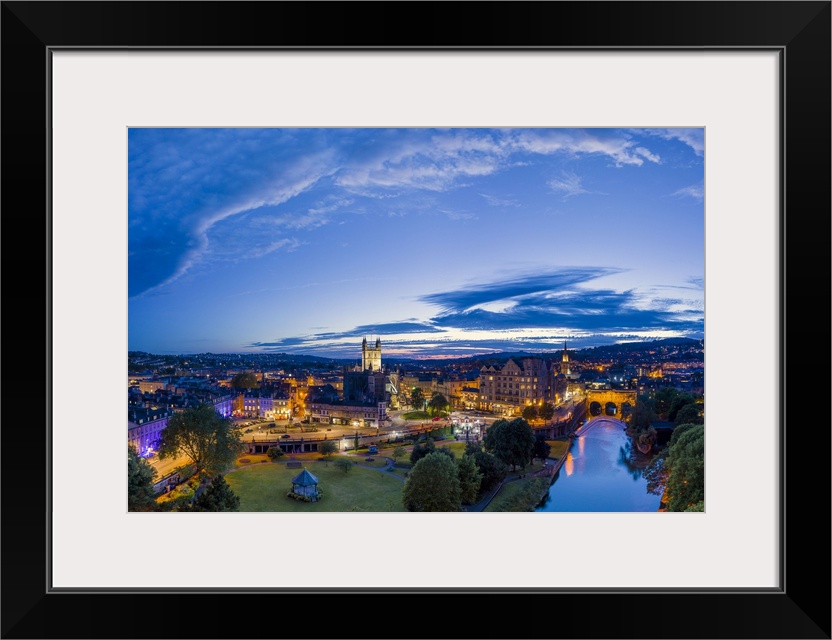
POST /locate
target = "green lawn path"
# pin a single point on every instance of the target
(263, 487)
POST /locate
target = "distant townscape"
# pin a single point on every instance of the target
(296, 410)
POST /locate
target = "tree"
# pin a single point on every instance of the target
(470, 479)
(511, 442)
(689, 414)
(493, 470)
(643, 417)
(546, 411)
(530, 412)
(445, 451)
(664, 398)
(686, 468)
(274, 452)
(681, 400)
(417, 398)
(433, 485)
(140, 478)
(327, 448)
(421, 450)
(217, 496)
(344, 464)
(641, 427)
(204, 436)
(677, 473)
(399, 452)
(244, 381)
(541, 448)
(437, 403)
(179, 499)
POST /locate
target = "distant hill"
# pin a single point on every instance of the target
(690, 346)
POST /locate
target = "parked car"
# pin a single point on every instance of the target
(285, 435)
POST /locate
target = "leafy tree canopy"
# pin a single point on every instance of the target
(689, 414)
(663, 399)
(140, 478)
(327, 448)
(530, 412)
(686, 468)
(217, 496)
(344, 464)
(546, 411)
(681, 400)
(510, 441)
(493, 470)
(417, 398)
(399, 452)
(470, 479)
(204, 436)
(541, 448)
(438, 403)
(433, 485)
(245, 380)
(421, 450)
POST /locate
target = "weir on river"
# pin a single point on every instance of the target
(602, 472)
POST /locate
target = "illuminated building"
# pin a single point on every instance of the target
(508, 389)
(371, 356)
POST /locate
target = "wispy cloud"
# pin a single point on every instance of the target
(520, 285)
(568, 183)
(535, 312)
(693, 137)
(496, 201)
(695, 191)
(646, 154)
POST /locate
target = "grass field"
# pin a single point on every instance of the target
(512, 489)
(457, 448)
(559, 447)
(263, 487)
(417, 415)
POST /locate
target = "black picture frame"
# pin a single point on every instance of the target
(800, 608)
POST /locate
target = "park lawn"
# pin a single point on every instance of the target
(263, 487)
(416, 415)
(507, 492)
(457, 448)
(559, 447)
(375, 461)
(255, 458)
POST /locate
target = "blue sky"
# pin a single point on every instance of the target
(443, 242)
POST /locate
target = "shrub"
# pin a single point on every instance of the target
(274, 453)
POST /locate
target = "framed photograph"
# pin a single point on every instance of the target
(105, 105)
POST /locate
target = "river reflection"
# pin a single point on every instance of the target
(602, 472)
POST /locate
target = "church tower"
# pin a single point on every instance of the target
(371, 356)
(564, 368)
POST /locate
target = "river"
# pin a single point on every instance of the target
(602, 472)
